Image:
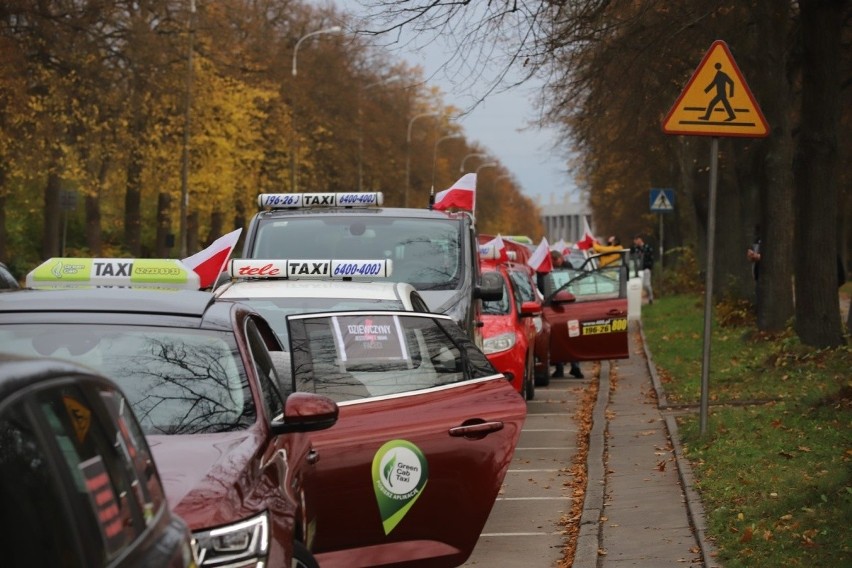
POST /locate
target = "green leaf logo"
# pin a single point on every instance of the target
(400, 472)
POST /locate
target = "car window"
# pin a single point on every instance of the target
(38, 527)
(178, 381)
(426, 253)
(600, 284)
(350, 357)
(523, 285)
(499, 307)
(270, 386)
(128, 436)
(96, 468)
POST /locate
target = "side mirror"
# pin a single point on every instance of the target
(306, 412)
(563, 297)
(530, 309)
(490, 288)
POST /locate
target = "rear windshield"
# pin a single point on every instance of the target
(425, 252)
(178, 381)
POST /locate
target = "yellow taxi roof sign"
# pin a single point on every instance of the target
(716, 101)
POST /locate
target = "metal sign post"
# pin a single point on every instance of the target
(715, 102)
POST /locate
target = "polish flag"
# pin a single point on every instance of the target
(562, 247)
(210, 262)
(497, 244)
(540, 259)
(586, 242)
(461, 195)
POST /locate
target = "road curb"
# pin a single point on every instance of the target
(588, 540)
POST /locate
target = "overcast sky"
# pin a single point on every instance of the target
(499, 124)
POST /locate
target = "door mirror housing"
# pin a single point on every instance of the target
(490, 288)
(306, 412)
(530, 309)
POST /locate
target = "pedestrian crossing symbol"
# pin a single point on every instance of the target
(716, 101)
(662, 200)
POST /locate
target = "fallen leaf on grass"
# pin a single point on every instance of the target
(748, 533)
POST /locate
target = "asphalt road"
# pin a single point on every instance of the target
(523, 529)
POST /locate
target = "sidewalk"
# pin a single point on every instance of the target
(640, 507)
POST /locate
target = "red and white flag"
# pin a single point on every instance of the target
(210, 262)
(588, 238)
(540, 259)
(561, 246)
(461, 195)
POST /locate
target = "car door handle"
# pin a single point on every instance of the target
(616, 312)
(479, 430)
(312, 457)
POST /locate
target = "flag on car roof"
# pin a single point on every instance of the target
(460, 195)
(540, 259)
(561, 246)
(588, 239)
(210, 262)
(498, 245)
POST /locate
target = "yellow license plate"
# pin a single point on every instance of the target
(597, 329)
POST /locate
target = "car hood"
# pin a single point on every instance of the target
(495, 325)
(204, 475)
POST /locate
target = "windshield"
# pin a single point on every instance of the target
(426, 252)
(178, 381)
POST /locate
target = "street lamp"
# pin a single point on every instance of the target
(386, 80)
(408, 152)
(331, 30)
(435, 152)
(184, 170)
(474, 155)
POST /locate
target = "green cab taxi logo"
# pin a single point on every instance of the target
(400, 473)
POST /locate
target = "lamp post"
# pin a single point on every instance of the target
(474, 155)
(361, 124)
(408, 152)
(331, 30)
(184, 170)
(435, 152)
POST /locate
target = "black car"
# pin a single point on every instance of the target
(78, 484)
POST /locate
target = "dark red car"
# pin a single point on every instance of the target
(586, 307)
(228, 438)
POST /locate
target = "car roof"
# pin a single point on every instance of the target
(174, 308)
(355, 289)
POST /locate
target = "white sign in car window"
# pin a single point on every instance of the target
(369, 337)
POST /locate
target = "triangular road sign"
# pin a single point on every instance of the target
(661, 202)
(716, 101)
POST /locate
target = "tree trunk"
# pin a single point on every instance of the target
(133, 202)
(217, 222)
(776, 188)
(52, 214)
(163, 224)
(4, 251)
(192, 233)
(94, 234)
(817, 314)
(728, 270)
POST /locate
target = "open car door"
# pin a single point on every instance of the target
(426, 431)
(587, 312)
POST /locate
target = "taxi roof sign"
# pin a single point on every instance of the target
(113, 272)
(716, 101)
(304, 200)
(309, 268)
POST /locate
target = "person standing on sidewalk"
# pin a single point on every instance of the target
(642, 256)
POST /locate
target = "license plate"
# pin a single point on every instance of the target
(597, 329)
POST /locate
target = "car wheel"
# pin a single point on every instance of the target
(542, 379)
(302, 557)
(529, 377)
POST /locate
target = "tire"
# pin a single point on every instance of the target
(543, 379)
(529, 377)
(302, 557)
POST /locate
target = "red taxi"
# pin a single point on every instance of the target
(587, 310)
(426, 431)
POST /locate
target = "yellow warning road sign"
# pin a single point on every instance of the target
(716, 101)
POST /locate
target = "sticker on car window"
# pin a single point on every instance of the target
(369, 337)
(400, 473)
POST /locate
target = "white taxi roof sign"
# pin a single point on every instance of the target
(716, 101)
(318, 269)
(305, 200)
(64, 272)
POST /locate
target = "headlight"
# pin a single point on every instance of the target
(498, 343)
(237, 545)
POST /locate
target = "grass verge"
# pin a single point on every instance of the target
(774, 470)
